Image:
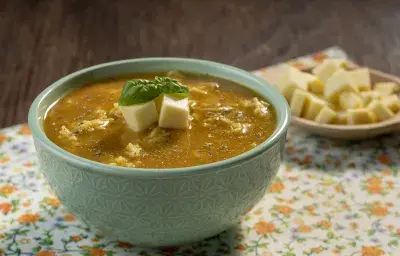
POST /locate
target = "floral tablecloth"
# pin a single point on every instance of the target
(329, 198)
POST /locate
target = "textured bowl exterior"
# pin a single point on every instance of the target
(166, 211)
(153, 207)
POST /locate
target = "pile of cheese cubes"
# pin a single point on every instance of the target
(168, 111)
(331, 94)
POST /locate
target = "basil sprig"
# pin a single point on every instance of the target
(139, 91)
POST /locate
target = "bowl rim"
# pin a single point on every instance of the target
(38, 133)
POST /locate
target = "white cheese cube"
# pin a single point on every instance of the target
(392, 102)
(174, 113)
(361, 116)
(341, 117)
(361, 78)
(348, 100)
(380, 110)
(339, 82)
(312, 107)
(386, 88)
(369, 96)
(293, 79)
(325, 70)
(139, 117)
(342, 63)
(325, 116)
(299, 100)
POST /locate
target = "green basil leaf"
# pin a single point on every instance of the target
(141, 91)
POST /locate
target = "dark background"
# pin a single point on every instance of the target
(44, 40)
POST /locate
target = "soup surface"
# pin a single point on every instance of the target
(226, 120)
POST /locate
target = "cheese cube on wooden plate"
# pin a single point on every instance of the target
(325, 116)
(313, 106)
(293, 79)
(341, 117)
(361, 78)
(299, 100)
(339, 82)
(174, 113)
(392, 102)
(380, 110)
(386, 88)
(369, 96)
(325, 70)
(361, 116)
(139, 117)
(349, 100)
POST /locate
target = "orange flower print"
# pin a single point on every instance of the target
(1, 237)
(4, 159)
(7, 189)
(371, 251)
(390, 184)
(354, 225)
(325, 224)
(240, 247)
(263, 227)
(311, 210)
(26, 204)
(386, 172)
(2, 138)
(398, 231)
(258, 212)
(339, 188)
(46, 253)
(125, 245)
(5, 207)
(76, 238)
(285, 210)
(379, 211)
(24, 130)
(335, 251)
(69, 218)
(298, 65)
(276, 187)
(374, 185)
(28, 218)
(97, 252)
(384, 159)
(316, 249)
(319, 57)
(52, 202)
(305, 229)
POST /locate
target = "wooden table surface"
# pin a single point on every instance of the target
(42, 41)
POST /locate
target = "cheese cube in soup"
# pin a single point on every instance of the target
(174, 113)
(139, 117)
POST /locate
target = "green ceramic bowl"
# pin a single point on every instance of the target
(159, 207)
